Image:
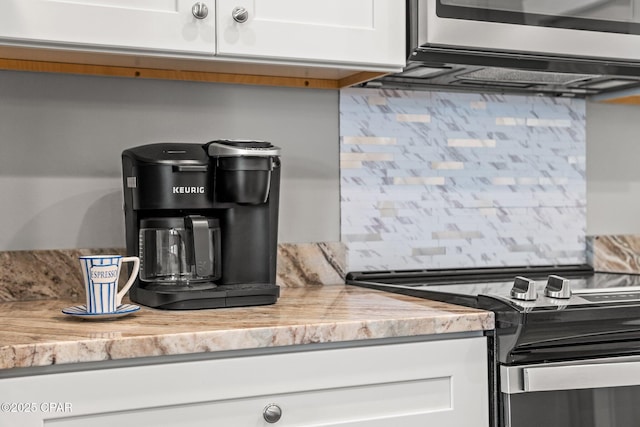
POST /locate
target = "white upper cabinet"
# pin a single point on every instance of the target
(143, 25)
(310, 43)
(369, 32)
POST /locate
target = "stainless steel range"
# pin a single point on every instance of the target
(566, 348)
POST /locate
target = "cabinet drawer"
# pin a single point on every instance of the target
(408, 402)
(443, 382)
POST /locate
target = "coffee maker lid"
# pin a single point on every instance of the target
(162, 222)
(241, 147)
(173, 153)
(173, 222)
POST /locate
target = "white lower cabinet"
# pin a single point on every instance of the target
(437, 383)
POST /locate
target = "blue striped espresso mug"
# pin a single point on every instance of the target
(101, 273)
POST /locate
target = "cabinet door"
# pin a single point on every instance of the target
(149, 25)
(370, 32)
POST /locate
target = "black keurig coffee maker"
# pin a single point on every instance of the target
(203, 218)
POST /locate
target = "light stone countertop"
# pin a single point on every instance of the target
(37, 333)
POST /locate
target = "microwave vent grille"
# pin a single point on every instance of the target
(505, 75)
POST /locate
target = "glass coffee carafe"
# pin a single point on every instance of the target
(180, 251)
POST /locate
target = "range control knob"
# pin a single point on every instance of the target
(524, 289)
(557, 287)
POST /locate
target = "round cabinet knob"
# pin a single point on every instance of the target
(240, 14)
(272, 413)
(200, 10)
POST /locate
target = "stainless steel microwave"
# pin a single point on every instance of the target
(567, 46)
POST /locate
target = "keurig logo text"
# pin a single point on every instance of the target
(188, 190)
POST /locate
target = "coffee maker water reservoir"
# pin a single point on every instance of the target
(203, 218)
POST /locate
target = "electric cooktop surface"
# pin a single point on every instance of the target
(584, 287)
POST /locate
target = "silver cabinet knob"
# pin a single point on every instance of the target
(524, 289)
(200, 10)
(240, 14)
(557, 287)
(272, 413)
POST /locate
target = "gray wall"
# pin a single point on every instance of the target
(613, 169)
(61, 137)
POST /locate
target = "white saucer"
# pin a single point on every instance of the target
(81, 311)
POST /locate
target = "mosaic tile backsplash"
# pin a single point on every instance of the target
(441, 180)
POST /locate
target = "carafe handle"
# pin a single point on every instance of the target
(202, 255)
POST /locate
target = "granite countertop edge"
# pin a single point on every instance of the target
(37, 333)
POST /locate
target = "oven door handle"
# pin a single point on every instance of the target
(585, 375)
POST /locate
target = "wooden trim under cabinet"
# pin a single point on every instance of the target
(629, 96)
(186, 75)
(627, 100)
